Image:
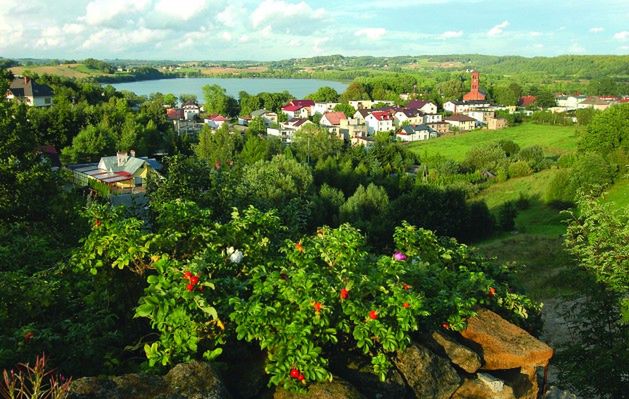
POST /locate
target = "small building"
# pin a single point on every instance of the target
(596, 103)
(191, 111)
(527, 101)
(332, 121)
(461, 122)
(174, 114)
(427, 107)
(287, 130)
(440, 127)
(570, 103)
(361, 114)
(298, 108)
(456, 107)
(410, 115)
(30, 92)
(379, 121)
(496, 123)
(432, 118)
(415, 133)
(268, 117)
(120, 174)
(215, 121)
(322, 108)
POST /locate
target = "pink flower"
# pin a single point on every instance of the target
(399, 256)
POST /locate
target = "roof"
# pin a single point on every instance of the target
(258, 112)
(296, 122)
(291, 108)
(411, 112)
(417, 104)
(217, 118)
(131, 166)
(303, 103)
(363, 112)
(412, 129)
(381, 115)
(525, 101)
(26, 87)
(334, 118)
(191, 104)
(595, 101)
(469, 102)
(459, 118)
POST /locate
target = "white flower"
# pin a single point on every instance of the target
(236, 256)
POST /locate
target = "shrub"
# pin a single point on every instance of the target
(506, 216)
(520, 169)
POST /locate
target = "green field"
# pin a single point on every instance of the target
(555, 140)
(619, 194)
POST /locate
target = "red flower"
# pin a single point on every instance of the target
(406, 287)
(317, 306)
(406, 305)
(187, 275)
(344, 293)
(492, 292)
(28, 336)
(97, 223)
(445, 325)
(299, 247)
(194, 279)
(294, 373)
(301, 377)
(373, 315)
(217, 164)
(190, 287)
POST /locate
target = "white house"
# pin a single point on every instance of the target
(412, 116)
(457, 107)
(432, 118)
(215, 121)
(322, 108)
(415, 133)
(288, 129)
(570, 102)
(379, 121)
(360, 115)
(268, 117)
(480, 115)
(427, 107)
(298, 108)
(461, 122)
(191, 111)
(30, 92)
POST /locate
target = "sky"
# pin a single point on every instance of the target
(281, 29)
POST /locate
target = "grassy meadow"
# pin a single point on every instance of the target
(555, 140)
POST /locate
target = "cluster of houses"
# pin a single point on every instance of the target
(566, 103)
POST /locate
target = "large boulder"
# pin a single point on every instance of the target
(194, 380)
(336, 389)
(428, 375)
(484, 386)
(505, 345)
(460, 354)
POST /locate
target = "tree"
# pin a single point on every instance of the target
(366, 209)
(90, 144)
(313, 143)
(608, 131)
(256, 126)
(486, 157)
(324, 94)
(533, 155)
(218, 146)
(345, 108)
(218, 102)
(545, 99)
(186, 98)
(355, 91)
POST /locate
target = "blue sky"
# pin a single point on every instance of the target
(280, 29)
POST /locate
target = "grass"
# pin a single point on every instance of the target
(555, 140)
(64, 70)
(618, 194)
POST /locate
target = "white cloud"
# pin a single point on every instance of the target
(231, 15)
(451, 34)
(622, 36)
(98, 12)
(535, 34)
(120, 40)
(596, 30)
(274, 10)
(182, 10)
(371, 33)
(226, 36)
(576, 48)
(497, 30)
(73, 29)
(244, 39)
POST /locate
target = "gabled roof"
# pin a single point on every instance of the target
(303, 103)
(26, 87)
(412, 129)
(291, 108)
(594, 101)
(417, 104)
(131, 166)
(334, 118)
(363, 112)
(525, 101)
(258, 112)
(381, 115)
(459, 118)
(410, 113)
(217, 118)
(296, 122)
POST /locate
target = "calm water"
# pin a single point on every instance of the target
(297, 87)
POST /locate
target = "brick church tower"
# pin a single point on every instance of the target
(474, 93)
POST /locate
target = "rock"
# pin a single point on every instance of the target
(337, 389)
(523, 382)
(460, 354)
(428, 375)
(556, 393)
(484, 386)
(243, 372)
(129, 386)
(505, 345)
(196, 380)
(359, 372)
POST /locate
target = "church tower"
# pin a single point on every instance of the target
(474, 93)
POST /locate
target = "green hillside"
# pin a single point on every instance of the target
(555, 140)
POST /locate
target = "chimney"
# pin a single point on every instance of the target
(26, 80)
(122, 158)
(132, 152)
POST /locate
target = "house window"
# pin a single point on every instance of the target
(47, 100)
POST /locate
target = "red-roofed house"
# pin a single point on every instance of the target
(332, 121)
(215, 121)
(379, 121)
(298, 108)
(526, 101)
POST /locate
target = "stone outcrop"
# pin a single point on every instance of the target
(337, 389)
(458, 353)
(428, 375)
(195, 380)
(491, 358)
(505, 345)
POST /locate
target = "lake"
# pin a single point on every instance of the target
(297, 87)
